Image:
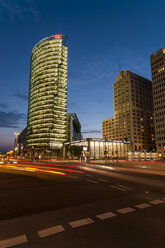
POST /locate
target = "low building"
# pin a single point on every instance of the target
(95, 148)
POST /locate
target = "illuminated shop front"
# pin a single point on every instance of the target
(47, 110)
(100, 148)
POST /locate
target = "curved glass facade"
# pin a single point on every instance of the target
(47, 111)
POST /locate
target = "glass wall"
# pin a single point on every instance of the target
(101, 149)
(108, 149)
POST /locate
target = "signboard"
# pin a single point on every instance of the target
(57, 36)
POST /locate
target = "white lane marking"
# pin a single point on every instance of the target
(88, 175)
(124, 187)
(125, 210)
(103, 180)
(146, 192)
(81, 222)
(143, 205)
(115, 187)
(13, 241)
(105, 215)
(156, 202)
(72, 177)
(92, 181)
(49, 231)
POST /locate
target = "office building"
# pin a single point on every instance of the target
(21, 145)
(158, 83)
(47, 111)
(133, 112)
(73, 127)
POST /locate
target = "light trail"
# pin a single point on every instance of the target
(62, 165)
(32, 169)
(52, 168)
(37, 167)
(120, 169)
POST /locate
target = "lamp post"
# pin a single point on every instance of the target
(105, 150)
(16, 142)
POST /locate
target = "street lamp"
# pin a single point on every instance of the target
(16, 142)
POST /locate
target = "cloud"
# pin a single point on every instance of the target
(92, 131)
(98, 70)
(4, 105)
(11, 119)
(18, 9)
(21, 96)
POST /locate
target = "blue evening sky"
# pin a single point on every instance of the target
(101, 35)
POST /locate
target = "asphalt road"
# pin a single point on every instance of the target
(87, 207)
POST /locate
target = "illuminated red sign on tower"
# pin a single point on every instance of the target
(57, 36)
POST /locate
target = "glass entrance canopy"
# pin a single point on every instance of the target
(101, 148)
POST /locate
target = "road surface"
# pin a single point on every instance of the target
(85, 206)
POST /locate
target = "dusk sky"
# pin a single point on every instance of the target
(101, 36)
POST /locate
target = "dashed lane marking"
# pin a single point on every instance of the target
(103, 180)
(156, 202)
(143, 205)
(51, 230)
(105, 215)
(81, 222)
(13, 241)
(88, 175)
(91, 181)
(72, 177)
(125, 210)
(124, 187)
(115, 187)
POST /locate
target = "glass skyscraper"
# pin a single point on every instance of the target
(47, 110)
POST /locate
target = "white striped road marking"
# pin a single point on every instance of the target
(49, 231)
(92, 181)
(13, 241)
(124, 187)
(81, 222)
(125, 210)
(143, 205)
(105, 215)
(103, 180)
(115, 187)
(156, 202)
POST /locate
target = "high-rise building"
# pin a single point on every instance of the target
(47, 111)
(73, 127)
(158, 83)
(133, 109)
